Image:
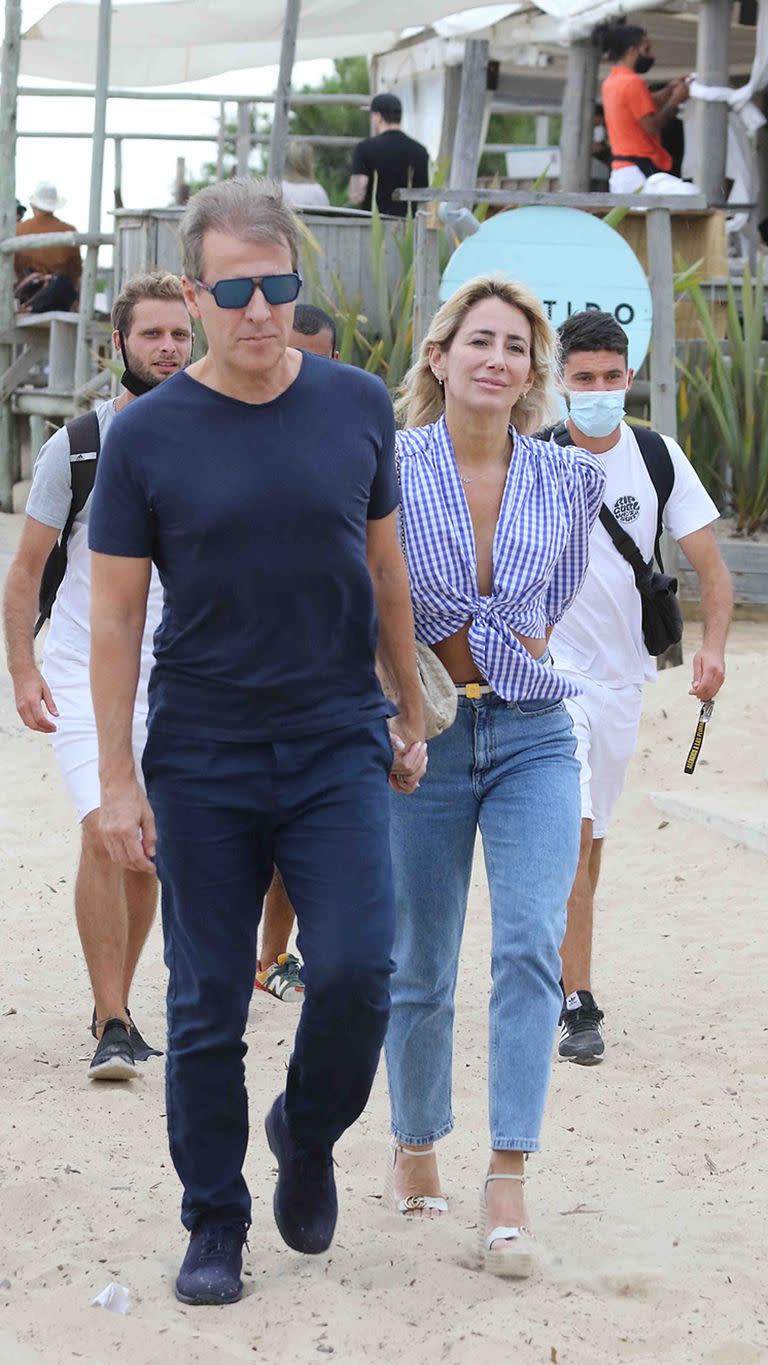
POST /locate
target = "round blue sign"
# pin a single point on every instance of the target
(571, 259)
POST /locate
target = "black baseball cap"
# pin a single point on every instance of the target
(388, 106)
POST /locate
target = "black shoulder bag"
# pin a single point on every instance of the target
(662, 617)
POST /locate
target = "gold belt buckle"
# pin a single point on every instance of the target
(472, 690)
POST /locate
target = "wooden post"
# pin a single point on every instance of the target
(118, 173)
(578, 119)
(471, 116)
(88, 283)
(663, 369)
(542, 130)
(243, 136)
(279, 139)
(663, 364)
(180, 184)
(221, 141)
(712, 50)
(426, 255)
(9, 81)
(450, 122)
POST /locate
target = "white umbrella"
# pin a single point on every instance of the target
(171, 41)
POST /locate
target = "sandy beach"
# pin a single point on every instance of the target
(648, 1199)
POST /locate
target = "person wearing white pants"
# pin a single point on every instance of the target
(599, 642)
(114, 907)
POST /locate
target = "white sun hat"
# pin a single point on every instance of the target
(45, 196)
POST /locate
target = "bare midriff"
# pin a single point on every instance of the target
(456, 656)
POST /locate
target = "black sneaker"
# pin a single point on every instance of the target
(304, 1203)
(210, 1271)
(141, 1049)
(581, 1030)
(113, 1059)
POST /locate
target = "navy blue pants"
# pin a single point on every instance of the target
(225, 812)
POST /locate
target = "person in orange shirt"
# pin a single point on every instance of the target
(634, 117)
(47, 277)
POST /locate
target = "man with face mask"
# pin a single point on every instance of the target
(600, 638)
(114, 907)
(634, 117)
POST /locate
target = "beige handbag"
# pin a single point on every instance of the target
(438, 690)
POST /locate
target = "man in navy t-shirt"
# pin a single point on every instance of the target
(262, 485)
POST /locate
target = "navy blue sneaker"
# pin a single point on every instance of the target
(210, 1271)
(305, 1203)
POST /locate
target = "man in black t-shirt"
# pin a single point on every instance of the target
(265, 490)
(393, 158)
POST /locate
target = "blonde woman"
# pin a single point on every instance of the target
(496, 526)
(300, 187)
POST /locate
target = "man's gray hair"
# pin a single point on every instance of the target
(252, 209)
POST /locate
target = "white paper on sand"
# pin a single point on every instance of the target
(115, 1298)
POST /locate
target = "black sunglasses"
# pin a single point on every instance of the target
(238, 293)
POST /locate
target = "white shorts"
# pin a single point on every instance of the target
(75, 743)
(626, 180)
(605, 724)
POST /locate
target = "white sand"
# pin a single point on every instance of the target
(649, 1198)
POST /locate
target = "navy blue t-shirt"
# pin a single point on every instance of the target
(256, 517)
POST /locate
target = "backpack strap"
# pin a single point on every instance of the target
(658, 462)
(84, 448)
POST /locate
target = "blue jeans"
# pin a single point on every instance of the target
(318, 808)
(509, 769)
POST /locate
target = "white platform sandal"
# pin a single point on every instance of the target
(516, 1260)
(413, 1202)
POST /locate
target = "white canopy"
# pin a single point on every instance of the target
(172, 41)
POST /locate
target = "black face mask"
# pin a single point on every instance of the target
(133, 382)
(644, 64)
(130, 381)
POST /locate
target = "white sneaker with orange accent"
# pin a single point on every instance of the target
(282, 979)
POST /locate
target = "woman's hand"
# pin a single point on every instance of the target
(409, 750)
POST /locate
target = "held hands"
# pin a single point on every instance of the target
(33, 700)
(409, 757)
(128, 826)
(708, 674)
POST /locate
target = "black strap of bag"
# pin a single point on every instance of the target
(662, 617)
(84, 440)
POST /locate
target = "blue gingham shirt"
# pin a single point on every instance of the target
(540, 552)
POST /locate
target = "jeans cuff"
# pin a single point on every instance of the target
(515, 1145)
(422, 1139)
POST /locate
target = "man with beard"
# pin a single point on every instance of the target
(114, 906)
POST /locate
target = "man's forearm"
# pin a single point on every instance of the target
(20, 606)
(397, 646)
(115, 663)
(716, 592)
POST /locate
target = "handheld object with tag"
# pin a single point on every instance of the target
(705, 714)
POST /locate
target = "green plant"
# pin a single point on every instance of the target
(380, 342)
(724, 402)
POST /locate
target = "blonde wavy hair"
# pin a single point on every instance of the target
(420, 399)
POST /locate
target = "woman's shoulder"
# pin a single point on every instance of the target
(414, 441)
(564, 460)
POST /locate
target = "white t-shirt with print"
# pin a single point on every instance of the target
(68, 642)
(601, 633)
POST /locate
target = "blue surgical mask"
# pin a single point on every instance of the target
(597, 412)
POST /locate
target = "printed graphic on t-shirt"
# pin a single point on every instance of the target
(626, 509)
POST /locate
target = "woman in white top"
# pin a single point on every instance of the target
(300, 187)
(496, 530)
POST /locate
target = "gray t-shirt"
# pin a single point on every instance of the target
(68, 642)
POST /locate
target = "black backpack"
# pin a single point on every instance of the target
(662, 617)
(84, 447)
